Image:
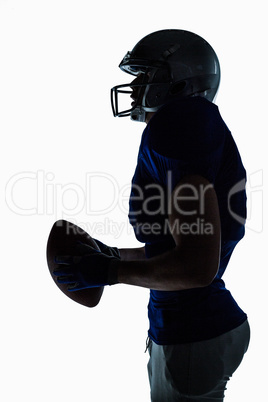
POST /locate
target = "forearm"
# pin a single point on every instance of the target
(129, 254)
(173, 270)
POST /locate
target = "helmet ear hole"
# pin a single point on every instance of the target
(177, 87)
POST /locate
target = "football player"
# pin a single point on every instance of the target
(188, 207)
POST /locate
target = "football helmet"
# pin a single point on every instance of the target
(169, 64)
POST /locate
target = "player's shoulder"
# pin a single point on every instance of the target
(183, 123)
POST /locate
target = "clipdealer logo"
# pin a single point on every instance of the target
(38, 193)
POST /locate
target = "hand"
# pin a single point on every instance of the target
(93, 269)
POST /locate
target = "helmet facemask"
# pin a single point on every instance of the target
(150, 93)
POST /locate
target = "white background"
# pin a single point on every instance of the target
(58, 61)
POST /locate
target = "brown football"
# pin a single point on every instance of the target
(62, 240)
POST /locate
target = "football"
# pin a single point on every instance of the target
(62, 240)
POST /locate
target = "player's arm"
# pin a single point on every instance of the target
(195, 224)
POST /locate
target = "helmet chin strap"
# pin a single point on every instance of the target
(138, 114)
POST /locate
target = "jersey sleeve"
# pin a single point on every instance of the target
(186, 138)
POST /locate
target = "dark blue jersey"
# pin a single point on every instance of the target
(188, 137)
